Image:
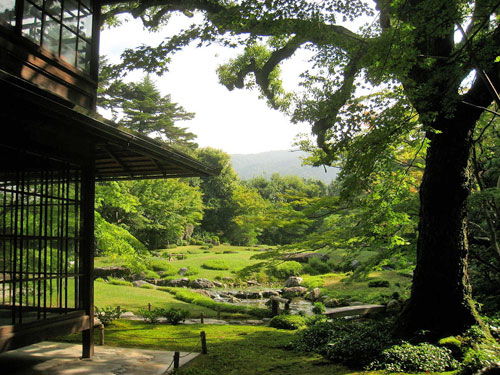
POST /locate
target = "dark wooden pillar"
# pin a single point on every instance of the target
(87, 285)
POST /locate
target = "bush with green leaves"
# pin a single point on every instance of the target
(423, 357)
(151, 316)
(315, 266)
(161, 265)
(215, 264)
(352, 343)
(148, 274)
(290, 322)
(107, 314)
(175, 316)
(284, 270)
(318, 308)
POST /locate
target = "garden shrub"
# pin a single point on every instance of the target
(175, 316)
(147, 286)
(315, 266)
(378, 284)
(215, 265)
(290, 322)
(318, 308)
(99, 280)
(114, 281)
(352, 343)
(148, 274)
(192, 271)
(107, 314)
(286, 269)
(423, 357)
(151, 316)
(161, 265)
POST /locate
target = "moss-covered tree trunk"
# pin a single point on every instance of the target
(440, 299)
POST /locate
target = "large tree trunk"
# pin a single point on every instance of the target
(440, 300)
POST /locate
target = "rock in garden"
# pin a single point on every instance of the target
(254, 295)
(355, 264)
(202, 292)
(295, 291)
(332, 302)
(218, 284)
(113, 271)
(252, 283)
(313, 295)
(241, 295)
(201, 284)
(293, 281)
(178, 283)
(140, 283)
(183, 271)
(269, 293)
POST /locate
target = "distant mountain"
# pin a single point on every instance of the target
(282, 162)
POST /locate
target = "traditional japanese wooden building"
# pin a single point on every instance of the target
(52, 150)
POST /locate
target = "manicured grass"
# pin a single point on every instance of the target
(232, 350)
(132, 299)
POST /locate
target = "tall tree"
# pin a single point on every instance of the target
(425, 50)
(140, 106)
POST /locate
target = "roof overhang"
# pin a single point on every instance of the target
(118, 154)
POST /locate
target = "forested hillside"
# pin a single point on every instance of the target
(284, 162)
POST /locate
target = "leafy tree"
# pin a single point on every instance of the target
(218, 192)
(414, 51)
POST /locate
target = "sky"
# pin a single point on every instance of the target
(237, 122)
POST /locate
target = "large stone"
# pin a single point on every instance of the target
(293, 281)
(254, 295)
(269, 293)
(178, 283)
(141, 283)
(183, 271)
(294, 291)
(218, 284)
(201, 284)
(393, 306)
(252, 283)
(332, 302)
(113, 271)
(313, 295)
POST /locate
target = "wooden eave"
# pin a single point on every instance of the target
(120, 154)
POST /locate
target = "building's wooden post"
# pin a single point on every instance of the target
(87, 255)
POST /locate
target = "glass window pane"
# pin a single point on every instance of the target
(53, 7)
(8, 12)
(32, 22)
(68, 46)
(51, 35)
(70, 15)
(85, 28)
(83, 57)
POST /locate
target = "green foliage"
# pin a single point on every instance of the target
(318, 308)
(286, 269)
(151, 274)
(107, 314)
(161, 265)
(151, 316)
(147, 286)
(291, 322)
(352, 343)
(175, 316)
(423, 357)
(215, 265)
(316, 266)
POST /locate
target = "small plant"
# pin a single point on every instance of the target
(174, 316)
(290, 322)
(147, 286)
(378, 284)
(215, 265)
(107, 314)
(318, 308)
(415, 358)
(151, 316)
(100, 280)
(286, 269)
